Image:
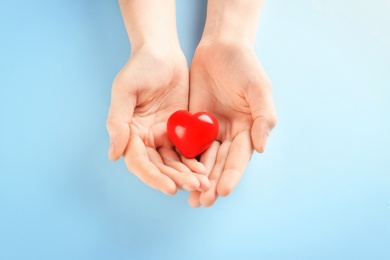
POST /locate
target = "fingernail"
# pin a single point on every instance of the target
(185, 187)
(264, 144)
(164, 191)
(111, 151)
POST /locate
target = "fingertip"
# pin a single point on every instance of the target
(116, 150)
(260, 145)
(228, 182)
(193, 199)
(223, 191)
(119, 134)
(265, 138)
(259, 134)
(208, 198)
(111, 153)
(197, 205)
(169, 189)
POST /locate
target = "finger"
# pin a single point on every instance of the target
(209, 157)
(118, 121)
(263, 113)
(193, 164)
(171, 159)
(185, 180)
(207, 160)
(194, 199)
(137, 161)
(261, 129)
(238, 157)
(204, 182)
(208, 197)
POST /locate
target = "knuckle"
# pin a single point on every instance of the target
(111, 123)
(118, 81)
(261, 81)
(266, 81)
(272, 120)
(268, 119)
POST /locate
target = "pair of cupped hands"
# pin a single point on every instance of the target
(225, 79)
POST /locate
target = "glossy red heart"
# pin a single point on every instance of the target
(192, 134)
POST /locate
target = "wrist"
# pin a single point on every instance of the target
(151, 44)
(150, 23)
(232, 20)
(158, 56)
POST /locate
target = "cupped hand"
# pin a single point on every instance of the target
(148, 89)
(227, 80)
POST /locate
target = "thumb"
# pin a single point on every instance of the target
(259, 133)
(263, 112)
(118, 121)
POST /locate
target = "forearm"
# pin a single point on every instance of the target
(232, 20)
(150, 22)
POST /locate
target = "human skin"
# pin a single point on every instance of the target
(227, 79)
(150, 87)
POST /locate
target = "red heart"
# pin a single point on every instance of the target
(192, 134)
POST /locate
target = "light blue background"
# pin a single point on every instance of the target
(321, 190)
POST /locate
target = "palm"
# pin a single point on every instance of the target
(228, 81)
(159, 92)
(222, 79)
(151, 127)
(145, 93)
(153, 110)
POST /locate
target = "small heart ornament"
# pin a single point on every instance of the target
(192, 134)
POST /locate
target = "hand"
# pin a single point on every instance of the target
(227, 80)
(149, 88)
